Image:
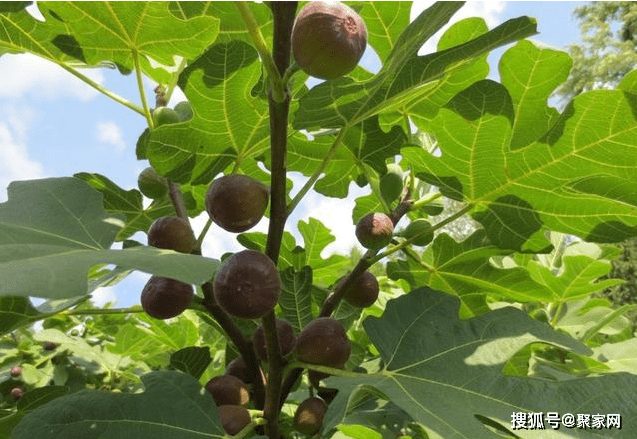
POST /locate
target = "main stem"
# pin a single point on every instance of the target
(283, 14)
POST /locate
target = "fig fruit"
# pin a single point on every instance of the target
(164, 116)
(391, 184)
(228, 390)
(420, 230)
(374, 231)
(163, 298)
(151, 184)
(286, 337)
(328, 39)
(184, 111)
(247, 285)
(324, 342)
(172, 232)
(16, 393)
(363, 292)
(49, 346)
(239, 369)
(234, 418)
(236, 203)
(15, 371)
(308, 418)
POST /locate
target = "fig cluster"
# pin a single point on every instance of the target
(328, 39)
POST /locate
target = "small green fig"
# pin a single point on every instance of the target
(152, 184)
(308, 418)
(234, 418)
(363, 292)
(163, 298)
(420, 230)
(172, 232)
(374, 231)
(328, 39)
(236, 203)
(184, 111)
(164, 116)
(391, 184)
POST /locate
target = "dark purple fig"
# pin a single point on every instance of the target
(16, 393)
(228, 390)
(363, 292)
(374, 231)
(328, 39)
(16, 371)
(172, 232)
(324, 342)
(50, 346)
(236, 203)
(247, 285)
(239, 369)
(163, 298)
(286, 337)
(234, 418)
(309, 415)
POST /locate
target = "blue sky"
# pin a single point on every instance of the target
(52, 124)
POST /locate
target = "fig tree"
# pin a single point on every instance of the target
(324, 342)
(172, 232)
(163, 298)
(165, 116)
(308, 418)
(234, 418)
(247, 285)
(228, 390)
(363, 292)
(236, 203)
(374, 231)
(286, 337)
(328, 39)
(151, 184)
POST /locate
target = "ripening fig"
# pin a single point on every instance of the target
(15, 371)
(363, 292)
(420, 230)
(164, 116)
(49, 346)
(374, 231)
(151, 184)
(324, 342)
(228, 390)
(236, 203)
(16, 393)
(328, 39)
(308, 418)
(286, 338)
(239, 369)
(247, 285)
(234, 418)
(163, 298)
(172, 232)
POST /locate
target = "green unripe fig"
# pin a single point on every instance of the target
(228, 390)
(363, 292)
(374, 231)
(328, 39)
(172, 232)
(164, 116)
(151, 184)
(234, 418)
(236, 203)
(391, 184)
(420, 230)
(308, 418)
(324, 342)
(184, 111)
(163, 298)
(286, 338)
(247, 285)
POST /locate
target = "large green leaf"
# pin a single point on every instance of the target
(172, 406)
(384, 22)
(447, 374)
(53, 231)
(296, 296)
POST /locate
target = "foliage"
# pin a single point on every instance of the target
(466, 332)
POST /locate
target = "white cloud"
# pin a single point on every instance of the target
(490, 11)
(28, 73)
(110, 133)
(15, 163)
(103, 295)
